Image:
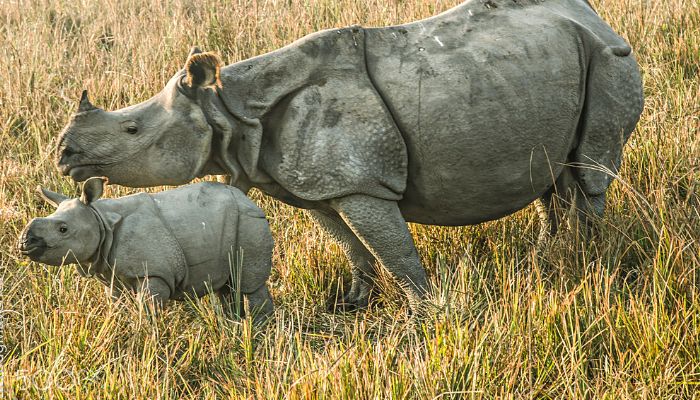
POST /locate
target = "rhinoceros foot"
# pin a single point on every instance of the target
(359, 296)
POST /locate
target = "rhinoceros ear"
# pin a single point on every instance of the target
(203, 69)
(50, 197)
(93, 189)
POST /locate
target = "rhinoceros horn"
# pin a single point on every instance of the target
(85, 104)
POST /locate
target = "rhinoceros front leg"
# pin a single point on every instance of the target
(361, 261)
(153, 289)
(566, 196)
(379, 225)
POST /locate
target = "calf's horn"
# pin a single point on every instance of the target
(85, 104)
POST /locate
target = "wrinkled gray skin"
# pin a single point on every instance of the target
(190, 241)
(458, 119)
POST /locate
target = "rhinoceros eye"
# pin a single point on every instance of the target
(130, 126)
(63, 229)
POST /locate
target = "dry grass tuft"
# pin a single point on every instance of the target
(615, 317)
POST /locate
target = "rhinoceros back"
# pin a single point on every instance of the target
(489, 98)
(592, 27)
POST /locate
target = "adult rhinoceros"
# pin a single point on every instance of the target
(454, 120)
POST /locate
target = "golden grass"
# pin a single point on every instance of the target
(615, 317)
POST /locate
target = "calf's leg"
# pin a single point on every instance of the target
(232, 305)
(260, 305)
(155, 289)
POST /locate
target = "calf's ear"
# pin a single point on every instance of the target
(202, 69)
(50, 197)
(93, 189)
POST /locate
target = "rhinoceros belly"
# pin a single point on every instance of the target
(488, 103)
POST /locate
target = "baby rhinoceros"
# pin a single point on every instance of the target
(193, 240)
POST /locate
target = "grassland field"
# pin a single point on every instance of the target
(614, 317)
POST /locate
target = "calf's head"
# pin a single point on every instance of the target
(72, 234)
(165, 140)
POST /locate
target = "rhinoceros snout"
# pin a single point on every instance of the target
(66, 159)
(31, 244)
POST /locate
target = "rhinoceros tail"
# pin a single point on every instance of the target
(596, 32)
(621, 51)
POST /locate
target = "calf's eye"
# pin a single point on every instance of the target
(63, 229)
(132, 130)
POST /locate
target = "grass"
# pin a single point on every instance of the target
(614, 317)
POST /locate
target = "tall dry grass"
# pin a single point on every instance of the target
(614, 317)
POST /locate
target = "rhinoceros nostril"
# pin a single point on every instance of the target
(66, 159)
(32, 246)
(30, 241)
(68, 152)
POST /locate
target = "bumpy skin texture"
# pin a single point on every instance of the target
(458, 119)
(189, 241)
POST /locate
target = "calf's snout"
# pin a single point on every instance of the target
(29, 242)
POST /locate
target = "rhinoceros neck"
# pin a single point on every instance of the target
(99, 261)
(226, 136)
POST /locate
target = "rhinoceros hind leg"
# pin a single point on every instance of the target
(259, 304)
(588, 209)
(568, 198)
(555, 204)
(614, 102)
(361, 262)
(379, 225)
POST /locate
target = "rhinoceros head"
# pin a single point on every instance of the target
(163, 141)
(72, 233)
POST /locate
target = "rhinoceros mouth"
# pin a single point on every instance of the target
(28, 251)
(81, 172)
(67, 168)
(35, 251)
